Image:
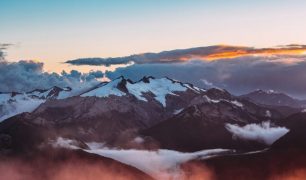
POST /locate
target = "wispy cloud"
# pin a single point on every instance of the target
(2, 48)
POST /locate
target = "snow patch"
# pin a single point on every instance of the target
(178, 111)
(106, 90)
(194, 88)
(237, 103)
(234, 102)
(210, 100)
(159, 87)
(263, 132)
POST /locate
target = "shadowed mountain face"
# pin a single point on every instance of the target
(150, 114)
(202, 126)
(273, 98)
(285, 159)
(296, 138)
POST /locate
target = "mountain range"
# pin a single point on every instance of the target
(150, 115)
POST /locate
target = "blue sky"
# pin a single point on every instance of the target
(53, 31)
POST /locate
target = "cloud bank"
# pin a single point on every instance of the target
(257, 132)
(25, 76)
(236, 69)
(238, 75)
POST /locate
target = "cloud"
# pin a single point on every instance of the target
(200, 53)
(235, 68)
(237, 75)
(259, 132)
(2, 48)
(25, 76)
(161, 164)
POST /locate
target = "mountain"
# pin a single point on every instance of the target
(273, 98)
(166, 112)
(203, 126)
(155, 117)
(115, 112)
(104, 113)
(296, 138)
(284, 159)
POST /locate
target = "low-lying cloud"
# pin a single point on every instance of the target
(160, 164)
(264, 132)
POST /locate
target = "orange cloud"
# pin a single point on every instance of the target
(209, 53)
(241, 51)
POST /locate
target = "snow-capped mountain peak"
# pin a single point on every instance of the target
(106, 89)
(14, 102)
(159, 87)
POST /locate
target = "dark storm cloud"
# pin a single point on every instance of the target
(28, 75)
(238, 75)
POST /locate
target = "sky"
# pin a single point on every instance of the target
(54, 31)
(237, 45)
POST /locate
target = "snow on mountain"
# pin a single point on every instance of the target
(234, 102)
(237, 103)
(160, 88)
(20, 103)
(15, 103)
(106, 89)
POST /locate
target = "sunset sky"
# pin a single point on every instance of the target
(53, 31)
